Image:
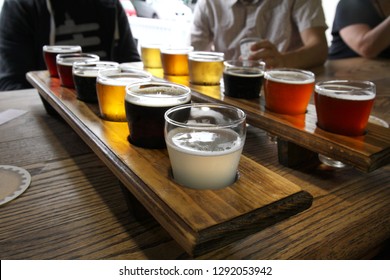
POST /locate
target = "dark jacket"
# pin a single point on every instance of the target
(26, 26)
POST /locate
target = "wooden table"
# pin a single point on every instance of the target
(74, 208)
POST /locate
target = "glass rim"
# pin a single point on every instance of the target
(241, 116)
(64, 48)
(209, 56)
(176, 50)
(92, 65)
(347, 89)
(61, 58)
(186, 91)
(106, 73)
(115, 75)
(250, 40)
(309, 75)
(236, 63)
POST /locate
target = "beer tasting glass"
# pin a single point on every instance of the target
(151, 55)
(174, 60)
(245, 46)
(50, 53)
(288, 91)
(111, 91)
(243, 79)
(205, 143)
(205, 68)
(65, 66)
(343, 107)
(146, 104)
(84, 76)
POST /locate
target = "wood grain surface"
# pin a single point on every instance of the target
(75, 210)
(199, 220)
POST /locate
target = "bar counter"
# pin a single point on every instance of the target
(75, 208)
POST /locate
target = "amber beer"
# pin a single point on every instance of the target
(344, 107)
(111, 91)
(288, 91)
(205, 68)
(175, 61)
(146, 104)
(50, 53)
(151, 55)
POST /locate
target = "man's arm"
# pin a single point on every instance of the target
(313, 52)
(365, 41)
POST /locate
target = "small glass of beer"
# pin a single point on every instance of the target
(65, 66)
(205, 143)
(84, 76)
(151, 55)
(343, 107)
(205, 68)
(111, 91)
(174, 60)
(243, 79)
(146, 104)
(50, 53)
(288, 91)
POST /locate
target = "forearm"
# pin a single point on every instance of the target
(373, 42)
(305, 57)
(313, 53)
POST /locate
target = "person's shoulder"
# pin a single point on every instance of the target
(354, 4)
(24, 4)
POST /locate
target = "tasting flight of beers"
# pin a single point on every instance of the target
(204, 141)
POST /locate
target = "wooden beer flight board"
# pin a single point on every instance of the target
(366, 153)
(199, 220)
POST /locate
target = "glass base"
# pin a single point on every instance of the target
(272, 138)
(331, 162)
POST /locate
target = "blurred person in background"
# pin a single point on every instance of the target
(291, 32)
(98, 26)
(361, 28)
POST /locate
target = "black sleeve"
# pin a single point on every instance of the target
(126, 49)
(352, 12)
(17, 50)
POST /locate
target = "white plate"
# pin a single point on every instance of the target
(13, 182)
(378, 121)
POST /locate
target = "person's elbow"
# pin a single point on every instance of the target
(322, 54)
(367, 51)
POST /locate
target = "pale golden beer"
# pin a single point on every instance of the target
(111, 91)
(151, 55)
(175, 61)
(205, 68)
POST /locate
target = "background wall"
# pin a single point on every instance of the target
(329, 10)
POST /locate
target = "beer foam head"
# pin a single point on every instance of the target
(244, 72)
(176, 50)
(91, 69)
(290, 76)
(117, 77)
(61, 49)
(344, 91)
(69, 59)
(206, 56)
(157, 94)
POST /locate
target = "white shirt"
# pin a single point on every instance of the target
(223, 23)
